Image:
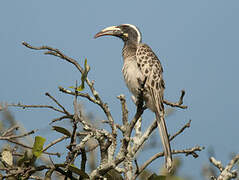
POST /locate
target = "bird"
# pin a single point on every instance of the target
(140, 64)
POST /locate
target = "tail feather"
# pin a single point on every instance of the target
(157, 99)
(165, 141)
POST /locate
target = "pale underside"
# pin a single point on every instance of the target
(145, 65)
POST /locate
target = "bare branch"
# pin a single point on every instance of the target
(104, 106)
(227, 172)
(58, 53)
(29, 147)
(179, 103)
(61, 118)
(106, 140)
(10, 130)
(55, 142)
(66, 112)
(55, 52)
(145, 136)
(17, 136)
(149, 131)
(181, 130)
(85, 95)
(83, 159)
(191, 151)
(74, 124)
(124, 109)
(36, 106)
(137, 166)
(216, 163)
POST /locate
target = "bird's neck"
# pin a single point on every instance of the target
(129, 49)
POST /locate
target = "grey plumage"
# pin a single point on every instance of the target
(140, 62)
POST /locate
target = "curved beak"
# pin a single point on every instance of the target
(111, 31)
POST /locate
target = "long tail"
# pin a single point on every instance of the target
(165, 141)
(157, 99)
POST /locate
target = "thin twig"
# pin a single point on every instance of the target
(10, 130)
(28, 147)
(151, 128)
(179, 103)
(191, 151)
(73, 135)
(85, 95)
(181, 130)
(36, 106)
(62, 107)
(72, 154)
(137, 166)
(55, 142)
(17, 136)
(61, 118)
(57, 53)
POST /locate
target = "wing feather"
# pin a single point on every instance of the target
(151, 68)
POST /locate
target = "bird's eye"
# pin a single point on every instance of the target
(126, 35)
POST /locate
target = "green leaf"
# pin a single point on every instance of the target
(61, 130)
(38, 146)
(156, 177)
(83, 77)
(74, 169)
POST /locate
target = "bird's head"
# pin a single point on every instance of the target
(127, 32)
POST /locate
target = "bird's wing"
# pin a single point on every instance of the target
(152, 70)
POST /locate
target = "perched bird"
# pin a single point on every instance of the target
(142, 65)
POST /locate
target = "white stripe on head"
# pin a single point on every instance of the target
(137, 30)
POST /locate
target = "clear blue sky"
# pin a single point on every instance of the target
(197, 42)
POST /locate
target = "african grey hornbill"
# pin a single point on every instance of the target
(141, 64)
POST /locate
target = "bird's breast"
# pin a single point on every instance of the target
(132, 74)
